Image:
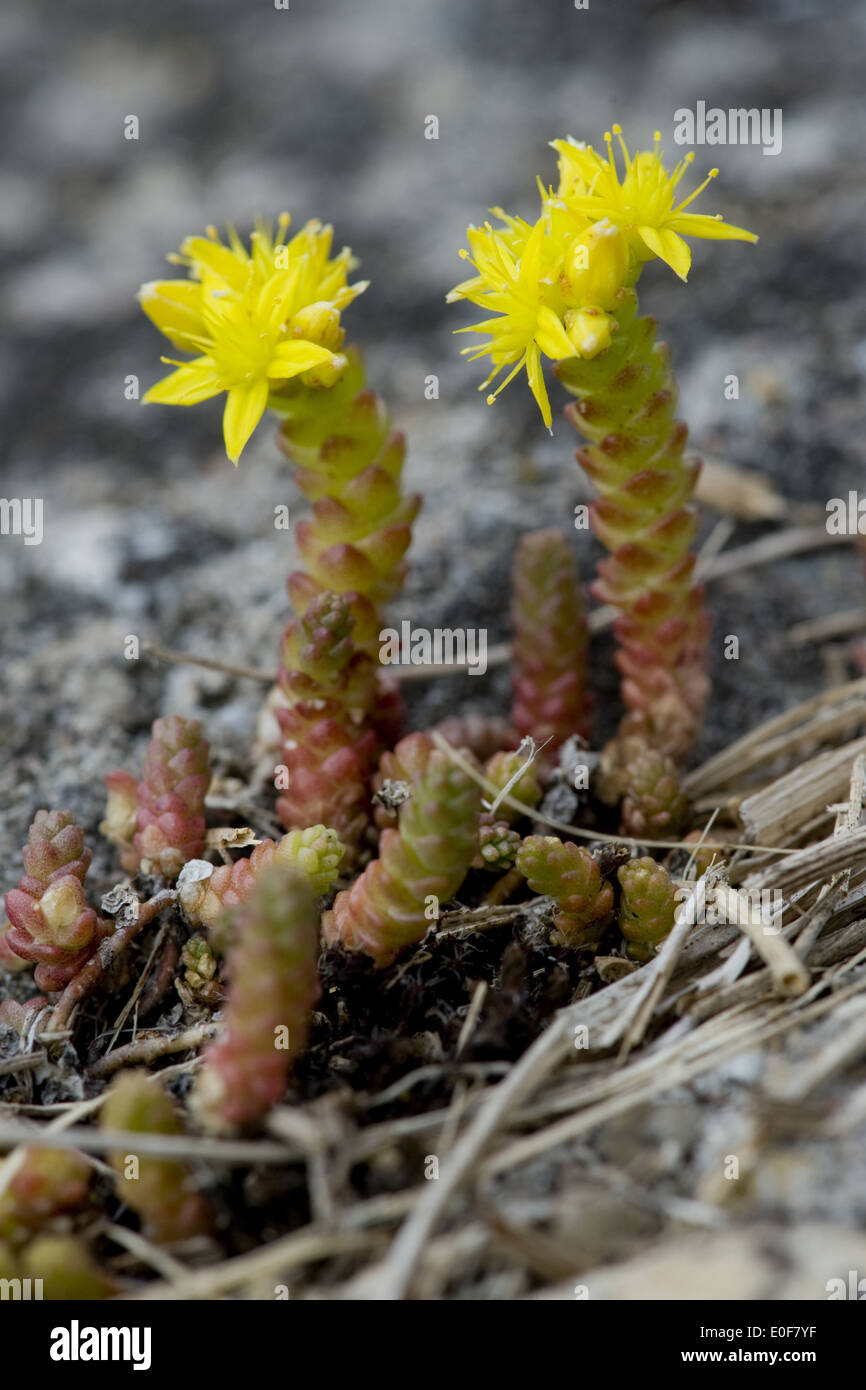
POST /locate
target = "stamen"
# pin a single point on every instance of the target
(617, 130)
(608, 140)
(502, 385)
(713, 174)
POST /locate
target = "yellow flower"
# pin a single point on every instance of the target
(254, 318)
(518, 278)
(641, 202)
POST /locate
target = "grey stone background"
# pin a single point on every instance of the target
(320, 109)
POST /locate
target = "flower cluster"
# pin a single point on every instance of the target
(254, 318)
(551, 285)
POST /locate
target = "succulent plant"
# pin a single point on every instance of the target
(51, 923)
(328, 742)
(497, 846)
(46, 1183)
(648, 902)
(549, 646)
(350, 463)
(164, 811)
(421, 864)
(567, 872)
(67, 1269)
(161, 1191)
(654, 805)
(273, 987)
(500, 769)
(563, 288)
(315, 852)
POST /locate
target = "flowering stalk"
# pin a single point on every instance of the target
(563, 288)
(644, 515)
(648, 903)
(266, 324)
(273, 986)
(51, 923)
(159, 822)
(549, 643)
(328, 743)
(567, 872)
(350, 462)
(161, 1191)
(421, 864)
(46, 1183)
(315, 852)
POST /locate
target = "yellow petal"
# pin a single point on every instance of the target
(244, 409)
(175, 307)
(699, 224)
(536, 382)
(296, 356)
(551, 337)
(669, 248)
(190, 384)
(218, 259)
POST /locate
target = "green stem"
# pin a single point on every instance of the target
(625, 408)
(350, 463)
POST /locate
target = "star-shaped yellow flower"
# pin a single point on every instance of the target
(255, 319)
(546, 284)
(641, 200)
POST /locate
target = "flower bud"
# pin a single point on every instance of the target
(589, 330)
(326, 373)
(319, 323)
(595, 266)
